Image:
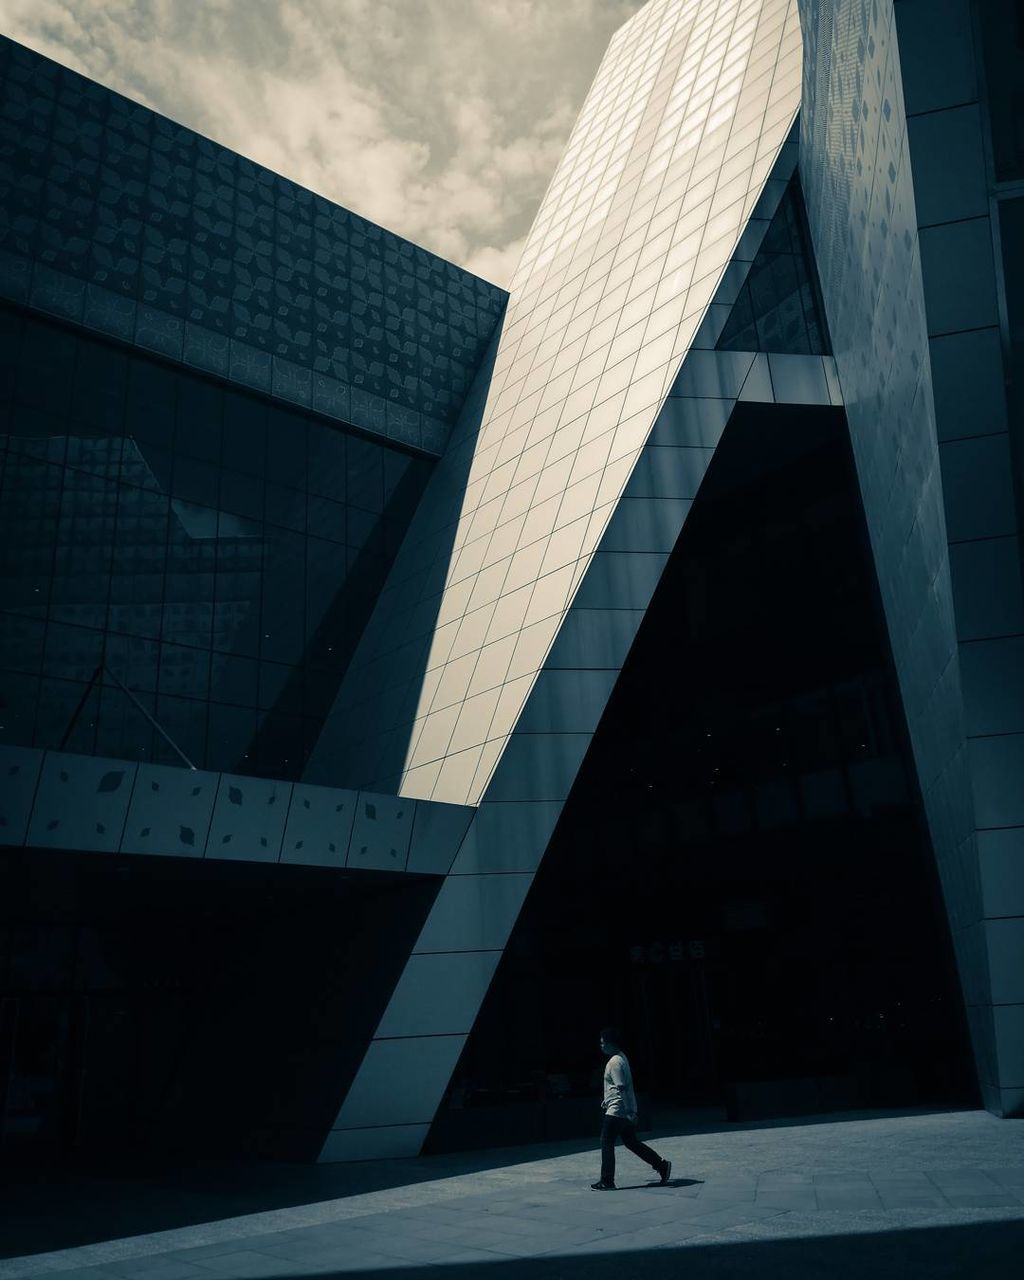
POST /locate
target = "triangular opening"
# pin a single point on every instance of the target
(741, 877)
(779, 307)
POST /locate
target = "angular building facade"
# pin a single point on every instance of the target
(643, 646)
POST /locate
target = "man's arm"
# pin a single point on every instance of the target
(615, 1083)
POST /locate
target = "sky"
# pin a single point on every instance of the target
(439, 119)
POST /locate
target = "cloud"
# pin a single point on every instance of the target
(440, 119)
(494, 263)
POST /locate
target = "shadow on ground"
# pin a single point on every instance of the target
(64, 1207)
(673, 1182)
(990, 1251)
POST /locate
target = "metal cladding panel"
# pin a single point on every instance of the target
(860, 190)
(61, 800)
(686, 117)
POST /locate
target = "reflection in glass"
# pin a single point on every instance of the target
(779, 307)
(138, 531)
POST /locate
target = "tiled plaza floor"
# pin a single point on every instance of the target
(920, 1196)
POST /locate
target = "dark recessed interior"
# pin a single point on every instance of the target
(163, 1006)
(741, 877)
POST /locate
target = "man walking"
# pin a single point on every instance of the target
(620, 1115)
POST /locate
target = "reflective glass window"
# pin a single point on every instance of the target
(779, 306)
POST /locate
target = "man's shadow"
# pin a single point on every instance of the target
(672, 1182)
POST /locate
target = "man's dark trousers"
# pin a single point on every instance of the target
(619, 1127)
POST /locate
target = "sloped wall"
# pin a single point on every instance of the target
(884, 301)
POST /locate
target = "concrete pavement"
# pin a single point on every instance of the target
(938, 1195)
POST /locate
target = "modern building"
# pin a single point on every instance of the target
(402, 679)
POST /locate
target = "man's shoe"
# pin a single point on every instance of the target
(602, 1186)
(666, 1171)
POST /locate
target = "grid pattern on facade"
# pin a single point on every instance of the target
(674, 143)
(908, 306)
(962, 77)
(122, 220)
(219, 553)
(409, 1063)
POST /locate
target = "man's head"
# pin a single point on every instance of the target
(611, 1040)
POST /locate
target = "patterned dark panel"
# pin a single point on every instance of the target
(121, 220)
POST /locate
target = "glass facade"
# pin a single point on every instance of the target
(779, 304)
(215, 552)
(119, 219)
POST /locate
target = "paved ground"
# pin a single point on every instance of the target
(921, 1197)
